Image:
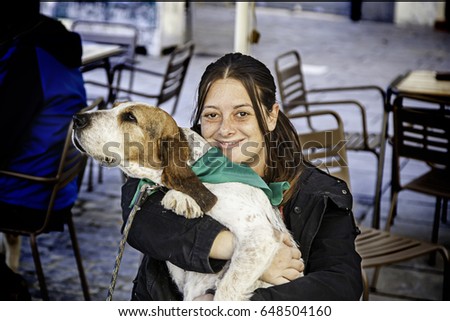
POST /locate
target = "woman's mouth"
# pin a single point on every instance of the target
(228, 144)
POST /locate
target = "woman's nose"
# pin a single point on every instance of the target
(227, 127)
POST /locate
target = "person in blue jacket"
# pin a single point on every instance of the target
(237, 112)
(41, 88)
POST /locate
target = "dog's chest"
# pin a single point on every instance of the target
(240, 206)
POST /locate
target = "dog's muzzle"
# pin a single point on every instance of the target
(80, 121)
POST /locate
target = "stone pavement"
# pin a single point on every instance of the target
(335, 52)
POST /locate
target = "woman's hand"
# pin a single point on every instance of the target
(287, 264)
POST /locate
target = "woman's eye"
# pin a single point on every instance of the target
(242, 114)
(210, 116)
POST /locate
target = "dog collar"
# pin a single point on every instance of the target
(214, 167)
(153, 187)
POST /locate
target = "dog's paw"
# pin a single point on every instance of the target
(182, 204)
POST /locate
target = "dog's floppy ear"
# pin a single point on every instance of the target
(177, 174)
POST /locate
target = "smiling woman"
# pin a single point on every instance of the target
(237, 112)
(229, 122)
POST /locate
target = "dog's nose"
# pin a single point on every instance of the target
(80, 121)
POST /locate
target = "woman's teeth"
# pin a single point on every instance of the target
(229, 144)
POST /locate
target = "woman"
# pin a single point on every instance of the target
(237, 111)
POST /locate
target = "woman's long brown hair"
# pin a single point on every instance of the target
(285, 160)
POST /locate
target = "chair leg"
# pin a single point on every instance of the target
(76, 251)
(446, 285)
(110, 79)
(131, 80)
(381, 155)
(365, 295)
(395, 182)
(435, 231)
(444, 211)
(100, 174)
(378, 193)
(390, 218)
(437, 216)
(90, 186)
(394, 186)
(38, 266)
(376, 274)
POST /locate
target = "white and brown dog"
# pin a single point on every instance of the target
(162, 152)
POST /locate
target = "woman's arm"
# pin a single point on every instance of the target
(166, 236)
(333, 270)
(223, 246)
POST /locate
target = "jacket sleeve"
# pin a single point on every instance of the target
(333, 268)
(19, 74)
(166, 236)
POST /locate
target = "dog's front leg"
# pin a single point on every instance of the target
(181, 204)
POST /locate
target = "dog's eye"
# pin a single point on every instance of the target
(129, 117)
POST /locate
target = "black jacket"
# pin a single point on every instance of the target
(319, 216)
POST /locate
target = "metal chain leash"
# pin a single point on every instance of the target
(145, 191)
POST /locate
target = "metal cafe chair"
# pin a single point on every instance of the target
(379, 248)
(172, 79)
(295, 97)
(325, 148)
(376, 247)
(71, 166)
(105, 32)
(422, 133)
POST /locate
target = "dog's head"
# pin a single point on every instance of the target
(130, 134)
(143, 140)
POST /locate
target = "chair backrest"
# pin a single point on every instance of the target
(122, 34)
(325, 148)
(291, 82)
(175, 74)
(422, 133)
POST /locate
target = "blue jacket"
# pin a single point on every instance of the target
(41, 88)
(319, 216)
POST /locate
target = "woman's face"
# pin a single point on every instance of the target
(229, 122)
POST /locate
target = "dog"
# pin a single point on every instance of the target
(145, 142)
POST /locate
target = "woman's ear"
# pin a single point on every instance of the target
(273, 117)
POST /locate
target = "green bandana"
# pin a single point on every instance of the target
(213, 167)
